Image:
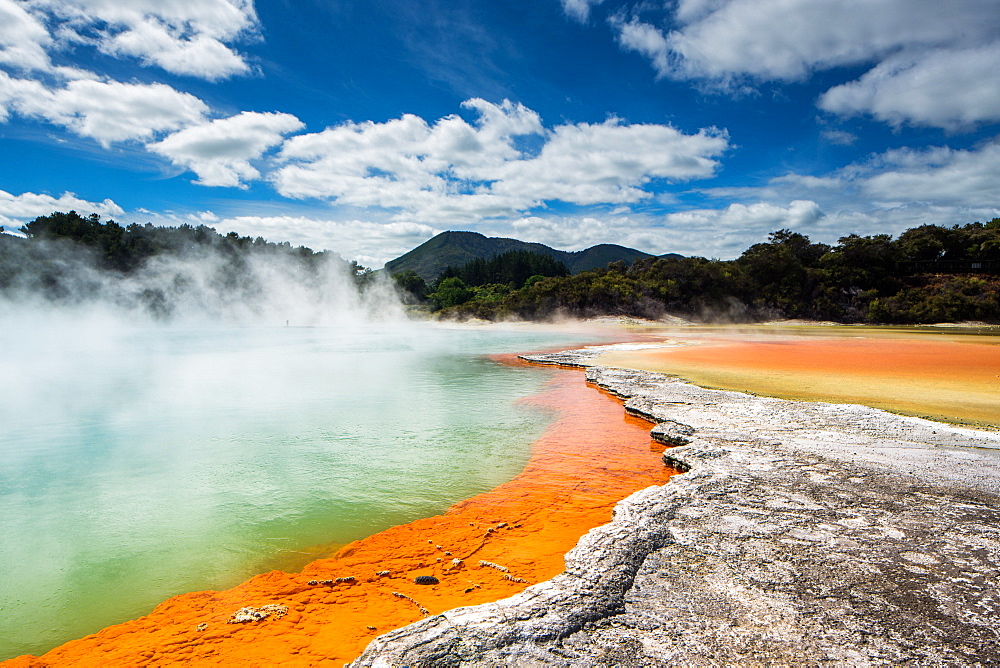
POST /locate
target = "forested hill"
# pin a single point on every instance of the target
(455, 249)
(929, 274)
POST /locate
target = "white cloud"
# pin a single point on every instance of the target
(690, 11)
(16, 210)
(11, 91)
(403, 163)
(22, 38)
(947, 88)
(789, 39)
(937, 176)
(371, 243)
(840, 137)
(579, 9)
(454, 170)
(107, 111)
(220, 151)
(760, 215)
(955, 184)
(187, 37)
(610, 162)
(727, 232)
(935, 62)
(940, 178)
(886, 194)
(404, 153)
(635, 35)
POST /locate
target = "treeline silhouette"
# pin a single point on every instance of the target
(928, 274)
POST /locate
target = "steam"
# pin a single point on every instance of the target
(203, 284)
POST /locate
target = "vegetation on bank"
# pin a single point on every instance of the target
(928, 274)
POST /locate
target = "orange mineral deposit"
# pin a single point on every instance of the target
(483, 549)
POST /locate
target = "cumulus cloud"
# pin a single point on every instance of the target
(23, 38)
(187, 37)
(760, 215)
(610, 162)
(789, 39)
(351, 239)
(220, 151)
(16, 210)
(947, 88)
(455, 170)
(107, 111)
(933, 60)
(579, 9)
(182, 36)
(937, 176)
(635, 35)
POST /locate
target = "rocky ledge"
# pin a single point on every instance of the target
(800, 534)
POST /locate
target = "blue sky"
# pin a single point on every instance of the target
(689, 126)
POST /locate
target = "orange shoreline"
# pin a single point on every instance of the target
(948, 380)
(590, 458)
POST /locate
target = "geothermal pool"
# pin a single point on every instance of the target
(951, 375)
(141, 462)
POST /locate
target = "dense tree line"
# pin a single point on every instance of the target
(124, 248)
(928, 274)
(66, 257)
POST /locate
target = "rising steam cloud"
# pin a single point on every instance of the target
(222, 280)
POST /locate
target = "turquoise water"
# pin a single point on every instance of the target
(138, 463)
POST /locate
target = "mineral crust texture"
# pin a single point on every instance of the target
(801, 534)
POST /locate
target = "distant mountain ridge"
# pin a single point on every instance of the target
(458, 248)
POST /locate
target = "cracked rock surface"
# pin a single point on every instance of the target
(801, 534)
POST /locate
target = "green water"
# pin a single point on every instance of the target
(138, 463)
